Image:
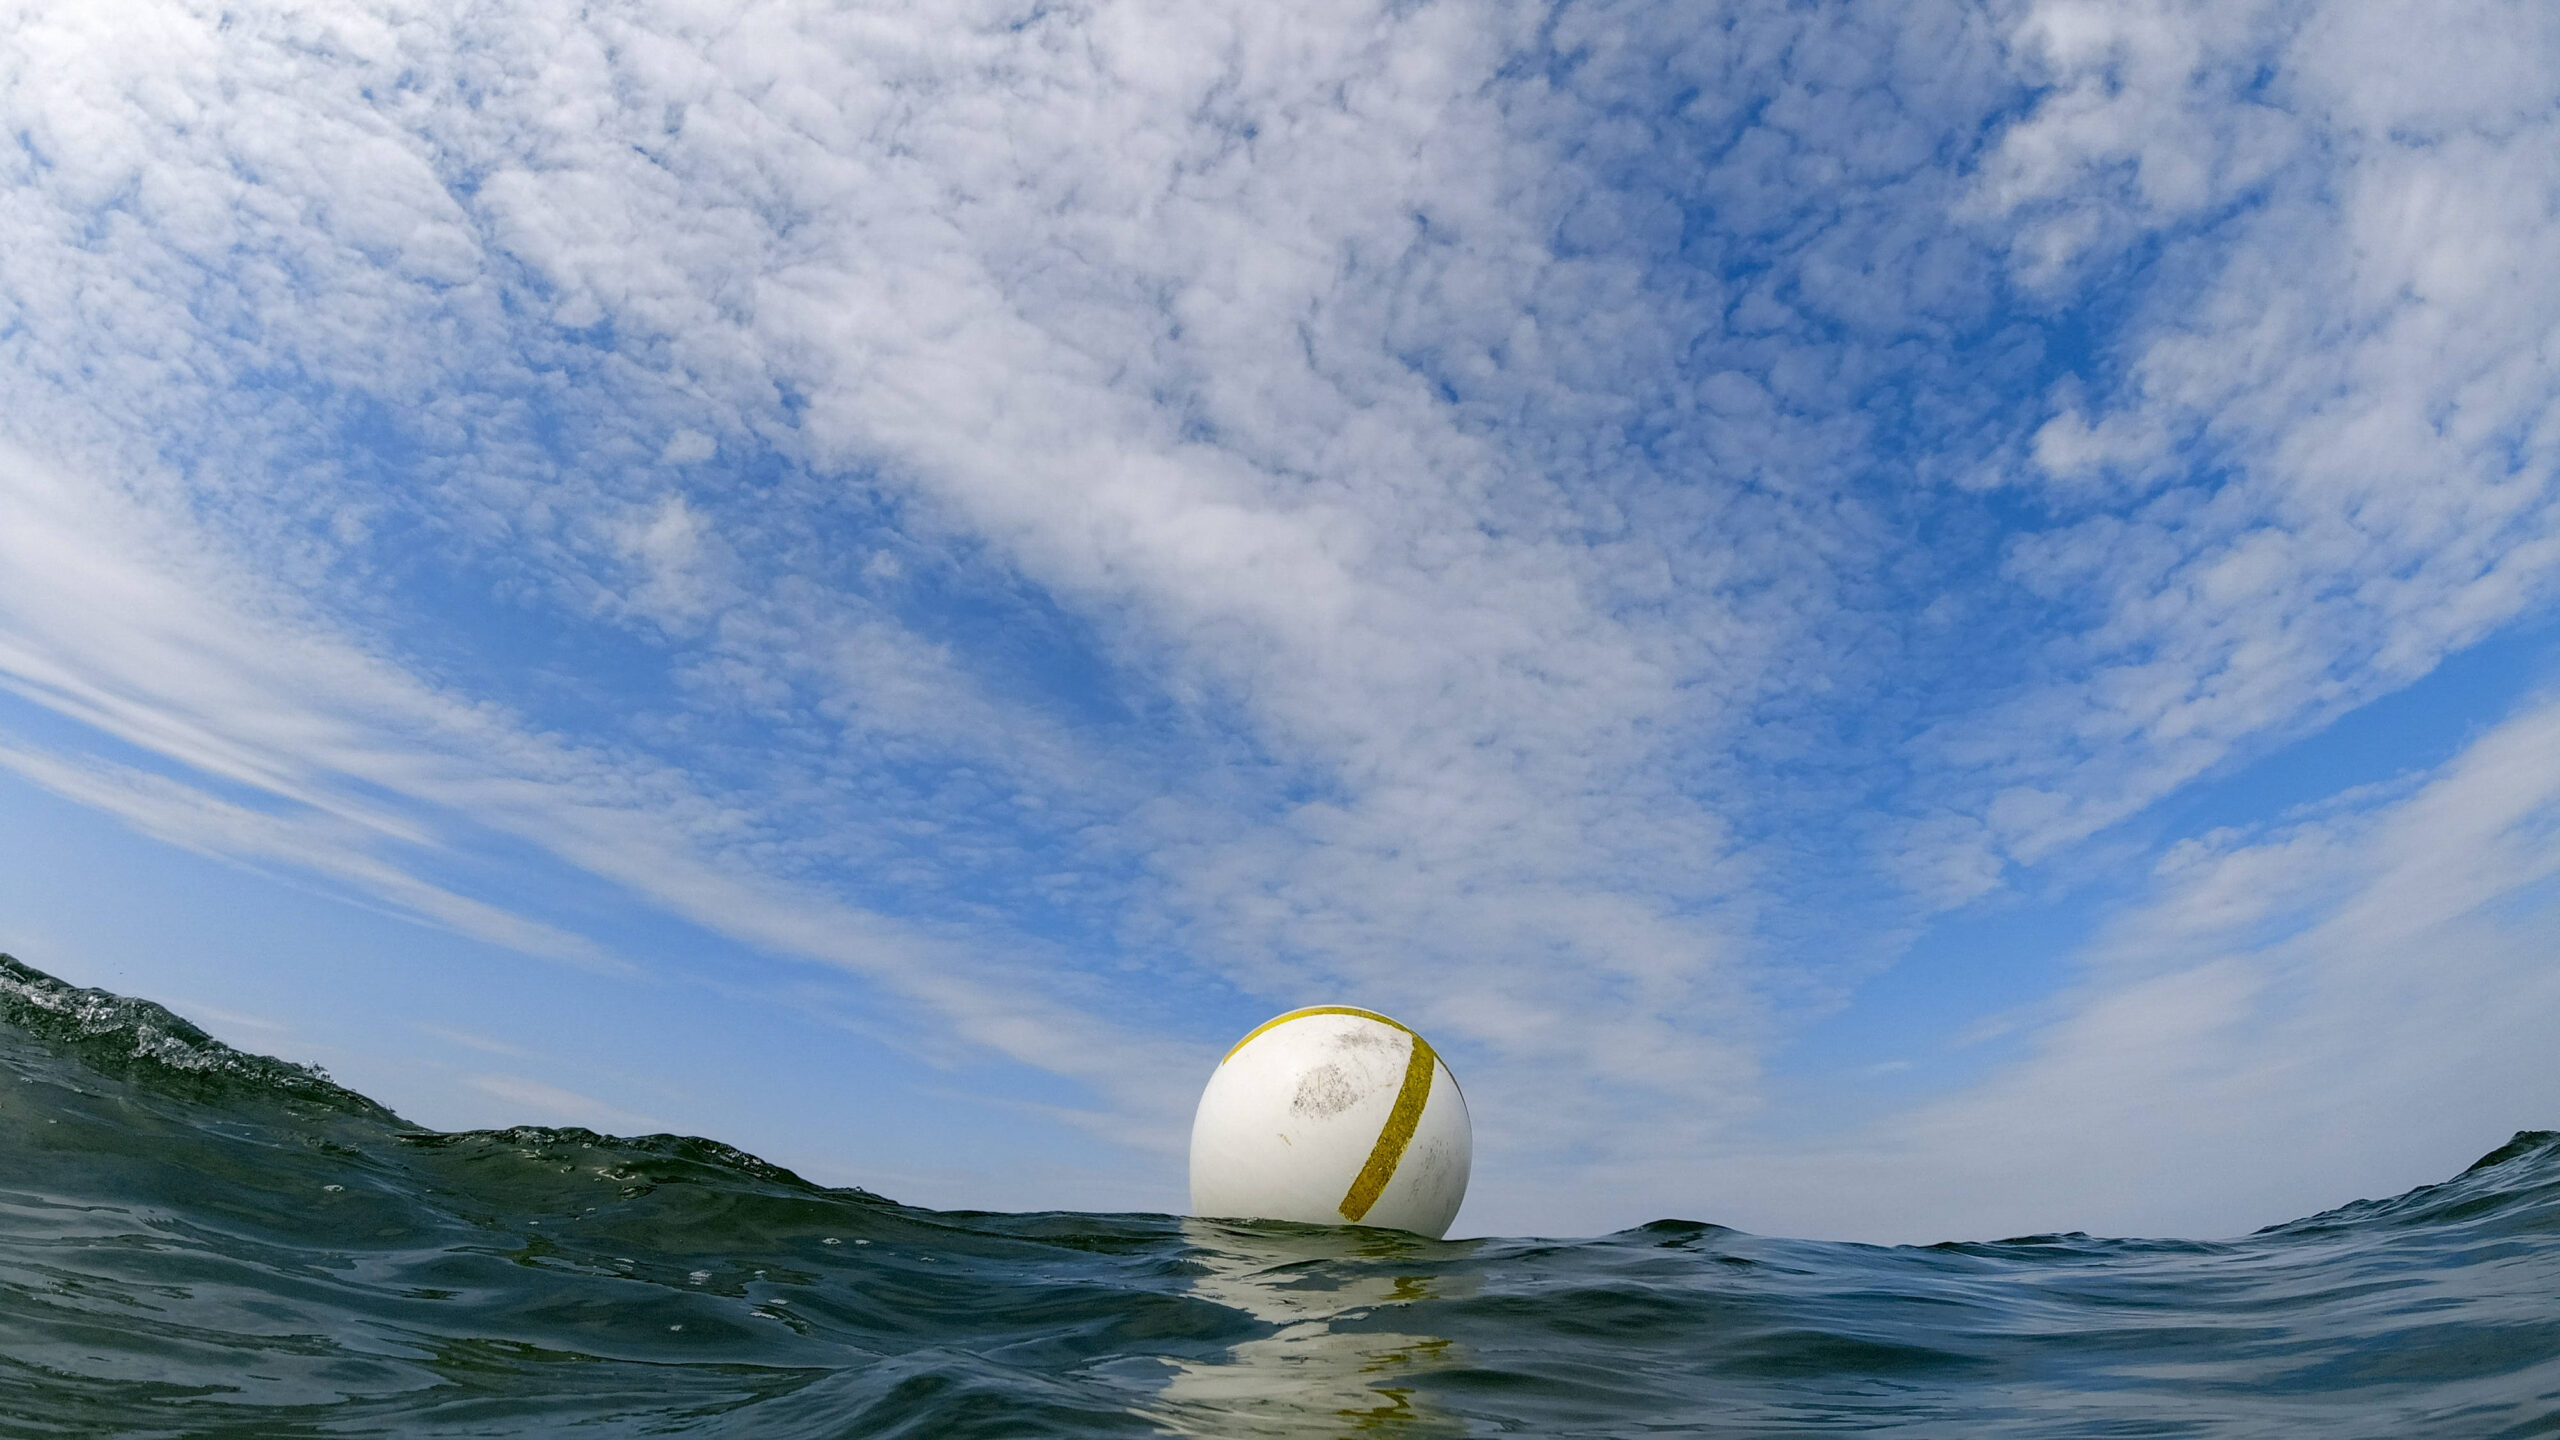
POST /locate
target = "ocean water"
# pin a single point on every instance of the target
(200, 1242)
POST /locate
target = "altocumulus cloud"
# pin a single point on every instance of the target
(1585, 526)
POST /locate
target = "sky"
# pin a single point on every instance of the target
(1887, 620)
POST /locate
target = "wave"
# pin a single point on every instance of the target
(199, 1241)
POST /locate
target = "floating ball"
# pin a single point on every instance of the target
(1331, 1116)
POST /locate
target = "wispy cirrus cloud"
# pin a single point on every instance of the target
(2345, 1001)
(346, 766)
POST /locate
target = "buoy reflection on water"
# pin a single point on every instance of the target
(1336, 1363)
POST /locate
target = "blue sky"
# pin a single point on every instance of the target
(1887, 621)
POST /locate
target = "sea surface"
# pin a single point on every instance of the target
(200, 1242)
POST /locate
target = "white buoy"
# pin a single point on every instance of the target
(1332, 1115)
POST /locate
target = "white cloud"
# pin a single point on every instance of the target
(550, 1103)
(1327, 560)
(2354, 1002)
(2331, 424)
(362, 774)
(470, 1041)
(680, 561)
(1165, 308)
(1204, 391)
(186, 816)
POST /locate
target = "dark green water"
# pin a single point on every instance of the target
(195, 1241)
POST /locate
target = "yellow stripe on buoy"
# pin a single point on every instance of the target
(1256, 1032)
(1389, 1151)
